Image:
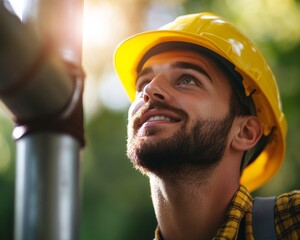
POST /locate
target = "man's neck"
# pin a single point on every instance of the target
(192, 207)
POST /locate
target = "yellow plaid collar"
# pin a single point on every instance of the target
(239, 206)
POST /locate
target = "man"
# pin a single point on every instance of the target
(206, 126)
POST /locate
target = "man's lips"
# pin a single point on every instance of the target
(156, 115)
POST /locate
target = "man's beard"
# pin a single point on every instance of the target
(200, 148)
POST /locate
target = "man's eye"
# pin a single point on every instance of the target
(187, 79)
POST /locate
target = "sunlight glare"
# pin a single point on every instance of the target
(96, 24)
(17, 6)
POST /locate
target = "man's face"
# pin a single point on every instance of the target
(180, 118)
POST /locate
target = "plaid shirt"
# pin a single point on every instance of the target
(287, 217)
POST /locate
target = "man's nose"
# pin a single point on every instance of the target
(157, 90)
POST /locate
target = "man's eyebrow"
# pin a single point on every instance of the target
(187, 65)
(178, 64)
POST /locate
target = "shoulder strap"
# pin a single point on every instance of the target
(263, 219)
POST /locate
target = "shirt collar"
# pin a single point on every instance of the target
(240, 204)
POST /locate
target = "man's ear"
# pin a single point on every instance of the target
(248, 133)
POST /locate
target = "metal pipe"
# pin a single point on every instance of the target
(31, 72)
(47, 188)
(60, 21)
(38, 89)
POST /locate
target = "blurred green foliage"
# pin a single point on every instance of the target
(115, 198)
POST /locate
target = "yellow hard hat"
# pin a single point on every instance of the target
(218, 35)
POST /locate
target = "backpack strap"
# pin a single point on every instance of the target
(263, 219)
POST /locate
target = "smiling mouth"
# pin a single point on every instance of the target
(161, 118)
(155, 120)
(158, 114)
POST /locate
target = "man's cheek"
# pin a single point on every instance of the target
(131, 127)
(135, 106)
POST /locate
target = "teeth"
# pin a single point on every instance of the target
(157, 118)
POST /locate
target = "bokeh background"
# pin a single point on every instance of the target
(115, 199)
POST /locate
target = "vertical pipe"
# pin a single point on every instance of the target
(47, 190)
(47, 164)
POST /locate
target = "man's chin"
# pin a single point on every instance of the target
(153, 153)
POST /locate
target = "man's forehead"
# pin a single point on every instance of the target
(172, 56)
